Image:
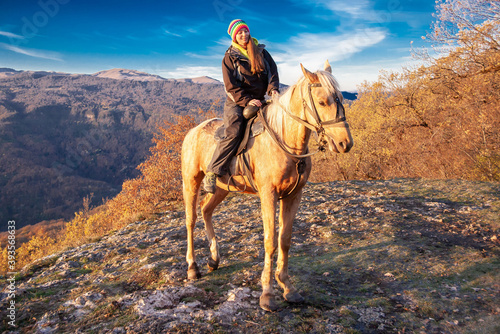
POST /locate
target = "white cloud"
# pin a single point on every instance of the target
(351, 76)
(201, 56)
(11, 35)
(313, 49)
(33, 52)
(224, 41)
(214, 52)
(166, 32)
(350, 11)
(356, 8)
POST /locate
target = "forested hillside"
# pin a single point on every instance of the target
(64, 137)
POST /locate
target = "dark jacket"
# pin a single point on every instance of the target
(241, 85)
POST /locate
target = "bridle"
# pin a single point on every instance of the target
(318, 128)
(339, 118)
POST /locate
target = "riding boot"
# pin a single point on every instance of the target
(210, 182)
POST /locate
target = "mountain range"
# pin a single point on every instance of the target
(115, 73)
(124, 74)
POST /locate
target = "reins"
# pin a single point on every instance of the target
(319, 129)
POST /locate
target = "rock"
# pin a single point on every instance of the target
(122, 251)
(161, 303)
(48, 324)
(95, 257)
(66, 274)
(236, 299)
(86, 300)
(71, 264)
(150, 266)
(373, 317)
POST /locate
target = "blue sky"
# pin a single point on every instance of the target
(178, 39)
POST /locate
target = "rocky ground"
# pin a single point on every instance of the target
(398, 256)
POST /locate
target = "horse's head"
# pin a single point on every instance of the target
(322, 100)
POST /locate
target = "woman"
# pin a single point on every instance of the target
(249, 73)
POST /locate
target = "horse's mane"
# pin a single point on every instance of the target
(276, 116)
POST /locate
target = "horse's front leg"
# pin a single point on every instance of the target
(268, 203)
(288, 210)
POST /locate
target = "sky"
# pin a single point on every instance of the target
(185, 39)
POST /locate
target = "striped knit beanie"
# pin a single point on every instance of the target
(235, 26)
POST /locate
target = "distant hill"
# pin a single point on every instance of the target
(117, 74)
(201, 80)
(9, 72)
(123, 74)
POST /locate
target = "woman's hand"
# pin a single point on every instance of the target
(255, 102)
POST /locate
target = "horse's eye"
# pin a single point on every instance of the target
(321, 103)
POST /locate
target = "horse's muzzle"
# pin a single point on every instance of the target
(342, 146)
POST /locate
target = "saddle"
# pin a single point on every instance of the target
(253, 128)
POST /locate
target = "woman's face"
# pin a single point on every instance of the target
(242, 37)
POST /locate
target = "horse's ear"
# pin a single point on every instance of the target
(311, 77)
(328, 68)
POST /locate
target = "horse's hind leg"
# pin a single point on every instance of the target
(208, 205)
(191, 186)
(288, 210)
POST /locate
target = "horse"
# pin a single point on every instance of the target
(280, 164)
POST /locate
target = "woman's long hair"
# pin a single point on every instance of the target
(256, 57)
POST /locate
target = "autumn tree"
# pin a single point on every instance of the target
(467, 75)
(439, 120)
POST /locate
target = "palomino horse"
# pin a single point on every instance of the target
(280, 165)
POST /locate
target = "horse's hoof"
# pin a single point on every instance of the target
(194, 272)
(212, 264)
(267, 303)
(294, 297)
